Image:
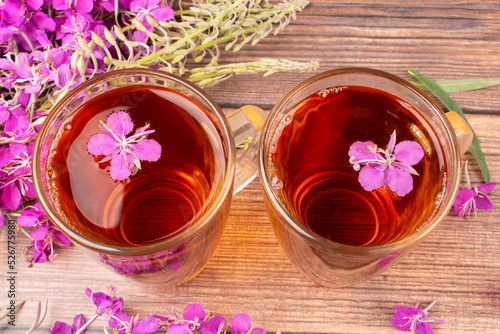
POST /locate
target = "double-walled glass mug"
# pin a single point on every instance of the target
(138, 168)
(358, 166)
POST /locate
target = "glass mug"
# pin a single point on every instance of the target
(100, 179)
(334, 230)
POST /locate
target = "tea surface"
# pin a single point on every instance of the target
(311, 173)
(157, 201)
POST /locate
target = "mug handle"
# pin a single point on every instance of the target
(462, 130)
(246, 124)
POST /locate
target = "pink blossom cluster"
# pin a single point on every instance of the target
(193, 320)
(47, 48)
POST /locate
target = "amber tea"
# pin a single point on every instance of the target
(134, 165)
(311, 172)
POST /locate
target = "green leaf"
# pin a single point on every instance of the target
(449, 103)
(462, 85)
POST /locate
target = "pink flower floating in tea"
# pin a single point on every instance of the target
(386, 167)
(471, 199)
(124, 152)
(413, 319)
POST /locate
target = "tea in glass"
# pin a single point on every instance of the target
(156, 201)
(309, 164)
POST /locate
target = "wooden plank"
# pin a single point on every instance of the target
(457, 265)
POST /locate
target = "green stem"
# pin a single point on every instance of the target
(224, 39)
(182, 41)
(206, 76)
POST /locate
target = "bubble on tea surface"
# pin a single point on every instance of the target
(67, 126)
(51, 174)
(276, 181)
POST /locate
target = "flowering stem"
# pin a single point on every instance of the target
(230, 36)
(183, 40)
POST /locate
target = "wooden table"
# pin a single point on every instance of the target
(458, 265)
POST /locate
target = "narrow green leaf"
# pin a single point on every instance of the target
(462, 85)
(449, 103)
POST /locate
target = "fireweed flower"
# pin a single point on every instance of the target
(240, 324)
(122, 323)
(15, 174)
(469, 200)
(43, 237)
(124, 152)
(153, 8)
(105, 304)
(390, 167)
(413, 319)
(63, 328)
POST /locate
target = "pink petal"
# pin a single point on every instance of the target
(487, 187)
(137, 5)
(60, 4)
(400, 181)
(146, 326)
(119, 169)
(11, 196)
(178, 329)
(43, 21)
(27, 218)
(409, 152)
(392, 142)
(163, 13)
(359, 150)
(483, 203)
(423, 328)
(78, 322)
(385, 260)
(194, 311)
(258, 331)
(240, 324)
(60, 328)
(139, 36)
(120, 123)
(18, 149)
(60, 239)
(39, 233)
(147, 149)
(174, 264)
(32, 89)
(109, 5)
(101, 144)
(115, 320)
(371, 178)
(463, 196)
(30, 188)
(84, 6)
(405, 167)
(212, 326)
(23, 67)
(5, 156)
(6, 33)
(403, 318)
(34, 5)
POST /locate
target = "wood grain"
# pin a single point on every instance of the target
(458, 264)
